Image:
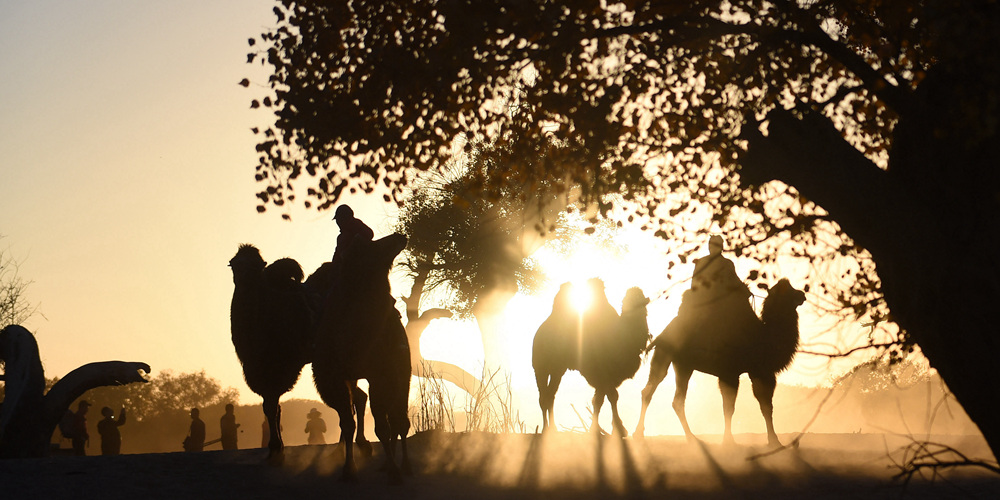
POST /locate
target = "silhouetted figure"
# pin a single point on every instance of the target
(229, 428)
(727, 341)
(111, 438)
(350, 227)
(265, 434)
(714, 276)
(602, 346)
(195, 441)
(315, 427)
(80, 437)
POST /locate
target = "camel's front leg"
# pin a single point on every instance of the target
(548, 384)
(616, 420)
(683, 376)
(400, 421)
(360, 399)
(595, 427)
(275, 446)
(343, 406)
(728, 386)
(380, 400)
(657, 371)
(763, 391)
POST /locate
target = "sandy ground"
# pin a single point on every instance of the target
(486, 466)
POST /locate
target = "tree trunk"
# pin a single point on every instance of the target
(931, 225)
(488, 312)
(416, 323)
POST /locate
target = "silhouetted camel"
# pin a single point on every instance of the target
(602, 346)
(726, 339)
(272, 321)
(360, 335)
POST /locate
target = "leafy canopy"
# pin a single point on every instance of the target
(643, 104)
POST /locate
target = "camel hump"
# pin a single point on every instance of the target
(321, 280)
(283, 273)
(726, 321)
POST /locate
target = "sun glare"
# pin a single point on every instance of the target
(580, 296)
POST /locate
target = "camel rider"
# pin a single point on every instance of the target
(715, 276)
(350, 227)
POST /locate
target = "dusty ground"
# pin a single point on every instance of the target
(485, 467)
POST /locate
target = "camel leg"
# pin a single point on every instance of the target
(598, 403)
(399, 420)
(683, 376)
(360, 399)
(383, 429)
(763, 390)
(616, 420)
(657, 371)
(547, 387)
(272, 411)
(542, 382)
(342, 404)
(728, 386)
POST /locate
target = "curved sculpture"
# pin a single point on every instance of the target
(360, 336)
(602, 346)
(28, 416)
(726, 339)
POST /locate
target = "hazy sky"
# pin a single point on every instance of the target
(127, 177)
(127, 184)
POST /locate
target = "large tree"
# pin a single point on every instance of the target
(822, 129)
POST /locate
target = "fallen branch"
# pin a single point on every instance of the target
(920, 456)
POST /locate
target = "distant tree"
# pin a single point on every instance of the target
(166, 393)
(813, 130)
(14, 306)
(188, 390)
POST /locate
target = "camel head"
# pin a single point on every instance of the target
(365, 258)
(246, 262)
(633, 320)
(785, 294)
(780, 320)
(387, 248)
(634, 299)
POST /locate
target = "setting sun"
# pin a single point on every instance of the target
(580, 297)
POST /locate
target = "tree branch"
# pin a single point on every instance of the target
(810, 155)
(849, 351)
(699, 28)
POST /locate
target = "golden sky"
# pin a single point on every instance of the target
(127, 177)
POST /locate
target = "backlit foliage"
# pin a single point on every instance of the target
(640, 104)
